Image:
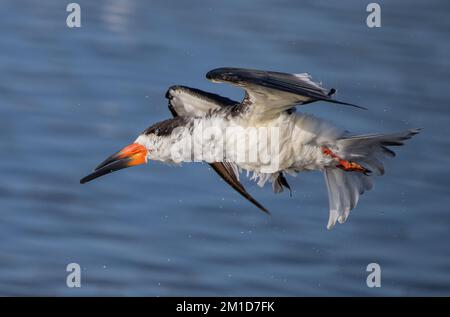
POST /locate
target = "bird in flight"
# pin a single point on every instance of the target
(264, 135)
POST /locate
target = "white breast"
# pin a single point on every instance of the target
(289, 142)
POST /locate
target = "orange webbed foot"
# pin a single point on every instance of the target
(345, 165)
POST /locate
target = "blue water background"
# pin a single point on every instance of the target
(71, 97)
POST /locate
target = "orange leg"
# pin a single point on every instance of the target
(344, 164)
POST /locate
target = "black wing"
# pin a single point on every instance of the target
(225, 170)
(274, 91)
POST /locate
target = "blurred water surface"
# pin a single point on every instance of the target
(70, 97)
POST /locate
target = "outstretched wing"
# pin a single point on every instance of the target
(185, 101)
(269, 93)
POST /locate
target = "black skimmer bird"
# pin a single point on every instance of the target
(264, 135)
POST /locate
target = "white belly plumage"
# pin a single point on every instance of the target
(291, 143)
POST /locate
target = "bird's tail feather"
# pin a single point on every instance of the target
(344, 188)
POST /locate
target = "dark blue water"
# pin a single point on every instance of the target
(70, 97)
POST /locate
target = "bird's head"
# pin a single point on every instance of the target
(156, 140)
(131, 155)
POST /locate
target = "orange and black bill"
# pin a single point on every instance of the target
(131, 155)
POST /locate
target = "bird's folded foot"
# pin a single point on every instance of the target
(345, 165)
(353, 167)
